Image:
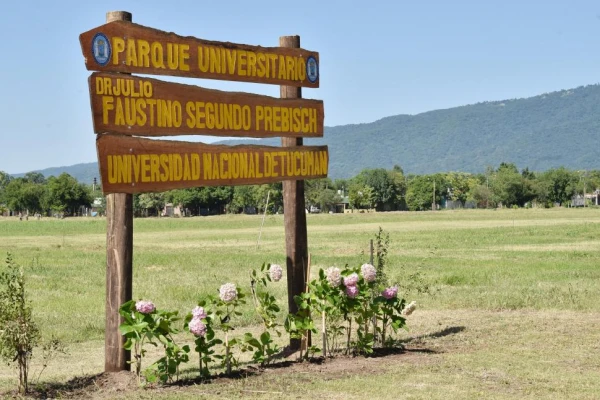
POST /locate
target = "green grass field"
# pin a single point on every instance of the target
(512, 312)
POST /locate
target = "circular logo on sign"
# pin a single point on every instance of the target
(312, 69)
(101, 49)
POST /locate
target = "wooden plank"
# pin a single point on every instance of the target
(137, 165)
(127, 47)
(134, 105)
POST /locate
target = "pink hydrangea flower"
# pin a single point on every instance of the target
(199, 313)
(351, 280)
(228, 292)
(368, 272)
(145, 306)
(351, 291)
(197, 327)
(390, 293)
(333, 276)
(275, 272)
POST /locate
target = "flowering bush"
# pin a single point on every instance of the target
(350, 300)
(266, 306)
(143, 324)
(200, 324)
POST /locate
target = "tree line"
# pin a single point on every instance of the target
(379, 189)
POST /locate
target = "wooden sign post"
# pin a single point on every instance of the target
(294, 211)
(125, 107)
(119, 263)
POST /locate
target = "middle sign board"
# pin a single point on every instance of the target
(138, 165)
(134, 105)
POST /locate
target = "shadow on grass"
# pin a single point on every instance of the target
(452, 330)
(84, 386)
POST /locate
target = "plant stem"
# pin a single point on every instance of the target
(227, 358)
(324, 334)
(349, 333)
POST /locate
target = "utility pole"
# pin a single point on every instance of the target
(433, 202)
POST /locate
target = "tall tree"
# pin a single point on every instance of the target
(559, 184)
(65, 193)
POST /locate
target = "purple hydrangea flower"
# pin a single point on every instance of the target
(351, 291)
(368, 272)
(390, 293)
(275, 272)
(197, 327)
(228, 292)
(333, 276)
(351, 280)
(145, 307)
(199, 313)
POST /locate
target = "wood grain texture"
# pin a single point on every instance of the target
(134, 105)
(134, 48)
(138, 165)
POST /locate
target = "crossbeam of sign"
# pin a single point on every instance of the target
(138, 165)
(134, 105)
(127, 47)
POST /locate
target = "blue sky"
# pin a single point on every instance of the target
(377, 58)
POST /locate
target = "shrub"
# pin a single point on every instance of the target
(18, 333)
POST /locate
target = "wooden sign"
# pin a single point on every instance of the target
(127, 47)
(137, 165)
(134, 105)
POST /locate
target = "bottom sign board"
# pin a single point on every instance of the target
(136, 165)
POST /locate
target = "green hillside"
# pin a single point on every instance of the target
(546, 131)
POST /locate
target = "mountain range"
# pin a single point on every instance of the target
(542, 132)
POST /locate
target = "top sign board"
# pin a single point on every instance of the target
(131, 48)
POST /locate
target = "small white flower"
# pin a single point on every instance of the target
(333, 276)
(368, 272)
(409, 308)
(228, 292)
(275, 272)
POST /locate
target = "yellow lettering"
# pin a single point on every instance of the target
(241, 61)
(187, 171)
(224, 159)
(107, 105)
(178, 167)
(119, 116)
(281, 65)
(131, 57)
(118, 45)
(207, 166)
(251, 63)
(157, 56)
(259, 114)
(154, 168)
(260, 65)
(184, 56)
(290, 66)
(195, 166)
(112, 169)
(164, 159)
(203, 60)
(143, 53)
